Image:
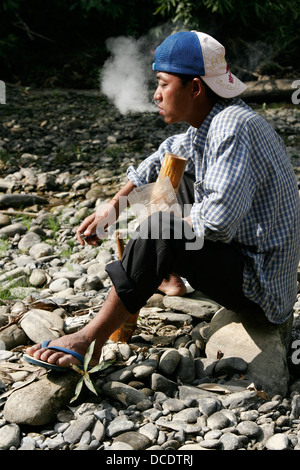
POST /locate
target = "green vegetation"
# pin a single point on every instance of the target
(86, 371)
(62, 42)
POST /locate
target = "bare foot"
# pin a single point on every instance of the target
(173, 285)
(74, 342)
(111, 316)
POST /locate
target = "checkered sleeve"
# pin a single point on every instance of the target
(147, 171)
(225, 195)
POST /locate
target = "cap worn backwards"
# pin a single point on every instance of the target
(198, 54)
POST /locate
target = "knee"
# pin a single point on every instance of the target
(158, 226)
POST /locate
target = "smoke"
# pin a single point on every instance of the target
(127, 78)
(126, 74)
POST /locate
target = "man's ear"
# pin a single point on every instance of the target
(196, 87)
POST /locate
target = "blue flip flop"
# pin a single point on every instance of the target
(46, 365)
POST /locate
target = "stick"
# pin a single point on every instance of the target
(124, 333)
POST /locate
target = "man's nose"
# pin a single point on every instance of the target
(157, 95)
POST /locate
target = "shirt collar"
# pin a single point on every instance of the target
(201, 133)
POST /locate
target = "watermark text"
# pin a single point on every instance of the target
(2, 92)
(296, 94)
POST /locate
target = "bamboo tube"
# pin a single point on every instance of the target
(173, 166)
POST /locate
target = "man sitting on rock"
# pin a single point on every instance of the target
(245, 204)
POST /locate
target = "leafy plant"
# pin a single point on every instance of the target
(85, 372)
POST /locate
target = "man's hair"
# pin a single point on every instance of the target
(187, 78)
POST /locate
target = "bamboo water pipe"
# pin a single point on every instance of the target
(172, 166)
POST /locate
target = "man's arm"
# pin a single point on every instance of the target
(102, 218)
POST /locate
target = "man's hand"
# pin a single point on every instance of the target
(94, 227)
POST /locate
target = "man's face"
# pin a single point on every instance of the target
(173, 98)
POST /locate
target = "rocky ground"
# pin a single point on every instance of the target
(61, 154)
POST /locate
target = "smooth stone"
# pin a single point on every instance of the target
(137, 440)
(196, 307)
(230, 365)
(277, 442)
(20, 200)
(204, 367)
(145, 369)
(87, 283)
(4, 220)
(218, 420)
(149, 430)
(159, 383)
(173, 405)
(38, 277)
(168, 362)
(12, 229)
(229, 441)
(119, 425)
(187, 447)
(12, 336)
(260, 344)
(41, 325)
(210, 443)
(126, 395)
(59, 285)
(40, 250)
(10, 435)
(248, 428)
(179, 425)
(188, 415)
(77, 427)
(28, 240)
(38, 403)
(209, 406)
(186, 368)
(120, 446)
(245, 399)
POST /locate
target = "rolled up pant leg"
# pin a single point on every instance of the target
(166, 244)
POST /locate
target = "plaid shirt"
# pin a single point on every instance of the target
(246, 193)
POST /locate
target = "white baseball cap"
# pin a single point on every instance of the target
(196, 53)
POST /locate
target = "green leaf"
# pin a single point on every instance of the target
(89, 384)
(88, 355)
(77, 390)
(101, 366)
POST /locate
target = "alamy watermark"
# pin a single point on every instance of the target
(296, 94)
(151, 223)
(2, 92)
(295, 357)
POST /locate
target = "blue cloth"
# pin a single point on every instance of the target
(180, 53)
(246, 193)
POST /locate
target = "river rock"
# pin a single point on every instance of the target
(126, 395)
(41, 325)
(252, 338)
(186, 367)
(278, 441)
(136, 440)
(12, 336)
(168, 362)
(38, 277)
(41, 249)
(38, 403)
(194, 306)
(4, 220)
(59, 285)
(21, 200)
(10, 435)
(13, 229)
(28, 240)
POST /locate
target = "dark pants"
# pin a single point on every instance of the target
(164, 244)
